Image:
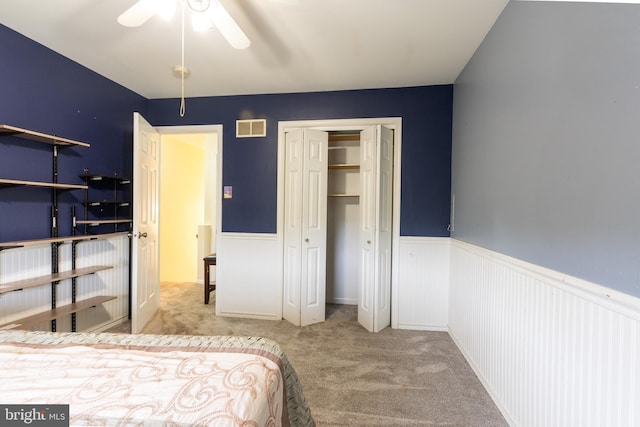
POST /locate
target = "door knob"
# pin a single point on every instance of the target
(306, 240)
(368, 242)
(142, 235)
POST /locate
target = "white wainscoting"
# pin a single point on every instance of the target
(422, 289)
(249, 276)
(552, 350)
(24, 263)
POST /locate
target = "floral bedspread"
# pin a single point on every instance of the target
(125, 380)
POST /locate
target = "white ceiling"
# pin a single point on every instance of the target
(297, 45)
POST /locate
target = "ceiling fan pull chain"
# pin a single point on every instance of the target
(182, 106)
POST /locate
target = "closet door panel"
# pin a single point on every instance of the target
(376, 201)
(314, 220)
(314, 278)
(367, 235)
(294, 160)
(314, 227)
(382, 314)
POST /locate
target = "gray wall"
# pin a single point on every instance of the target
(546, 140)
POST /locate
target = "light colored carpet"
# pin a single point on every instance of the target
(351, 377)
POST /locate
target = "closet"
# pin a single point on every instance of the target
(337, 224)
(343, 214)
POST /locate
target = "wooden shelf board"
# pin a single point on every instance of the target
(55, 277)
(16, 182)
(36, 242)
(7, 130)
(344, 166)
(56, 313)
(342, 195)
(344, 137)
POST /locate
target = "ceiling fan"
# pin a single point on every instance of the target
(205, 14)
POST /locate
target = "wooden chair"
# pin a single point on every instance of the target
(209, 260)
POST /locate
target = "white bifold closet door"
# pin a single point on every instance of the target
(305, 227)
(305, 223)
(376, 200)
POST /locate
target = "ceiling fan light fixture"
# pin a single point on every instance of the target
(215, 14)
(198, 5)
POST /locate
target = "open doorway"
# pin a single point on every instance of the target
(188, 203)
(145, 259)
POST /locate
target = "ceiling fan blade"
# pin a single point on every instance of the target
(137, 14)
(227, 26)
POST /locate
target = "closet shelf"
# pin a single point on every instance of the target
(6, 130)
(36, 242)
(56, 313)
(344, 137)
(15, 182)
(344, 166)
(50, 278)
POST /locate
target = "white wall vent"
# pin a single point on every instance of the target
(251, 128)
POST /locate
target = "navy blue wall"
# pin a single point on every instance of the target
(250, 164)
(43, 91)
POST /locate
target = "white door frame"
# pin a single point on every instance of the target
(217, 129)
(394, 123)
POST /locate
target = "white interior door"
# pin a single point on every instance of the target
(305, 226)
(145, 269)
(376, 184)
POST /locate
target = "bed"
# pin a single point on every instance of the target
(124, 380)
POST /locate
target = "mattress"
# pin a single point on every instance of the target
(125, 380)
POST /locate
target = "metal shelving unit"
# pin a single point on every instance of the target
(54, 240)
